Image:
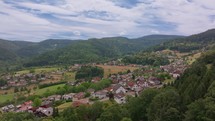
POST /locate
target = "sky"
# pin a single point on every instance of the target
(37, 20)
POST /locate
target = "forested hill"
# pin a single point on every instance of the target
(94, 50)
(12, 50)
(194, 42)
(199, 80)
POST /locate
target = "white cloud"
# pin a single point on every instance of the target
(99, 18)
(78, 33)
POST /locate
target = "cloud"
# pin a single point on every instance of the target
(36, 20)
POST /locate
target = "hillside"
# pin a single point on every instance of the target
(94, 50)
(12, 50)
(194, 42)
(190, 98)
(203, 41)
(41, 47)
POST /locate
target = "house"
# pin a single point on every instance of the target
(25, 106)
(154, 81)
(79, 96)
(118, 88)
(176, 75)
(80, 102)
(8, 108)
(91, 91)
(54, 98)
(44, 111)
(96, 79)
(67, 96)
(132, 85)
(100, 94)
(120, 98)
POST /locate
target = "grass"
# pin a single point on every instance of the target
(168, 81)
(69, 76)
(40, 92)
(115, 69)
(64, 106)
(4, 98)
(193, 58)
(51, 89)
(38, 70)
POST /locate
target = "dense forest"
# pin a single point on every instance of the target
(146, 58)
(96, 50)
(203, 40)
(88, 72)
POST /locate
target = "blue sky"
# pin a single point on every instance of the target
(37, 20)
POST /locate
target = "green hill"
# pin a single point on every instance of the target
(12, 50)
(195, 42)
(94, 50)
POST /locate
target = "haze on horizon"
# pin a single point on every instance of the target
(37, 20)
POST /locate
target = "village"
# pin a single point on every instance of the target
(122, 85)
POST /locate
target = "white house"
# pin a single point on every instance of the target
(118, 88)
(100, 94)
(45, 111)
(120, 98)
(67, 96)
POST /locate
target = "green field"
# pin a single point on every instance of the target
(40, 92)
(51, 89)
(64, 106)
(38, 70)
(4, 98)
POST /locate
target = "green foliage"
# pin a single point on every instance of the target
(24, 116)
(165, 106)
(191, 43)
(50, 84)
(112, 113)
(2, 82)
(126, 119)
(137, 107)
(37, 102)
(146, 58)
(196, 80)
(86, 85)
(96, 50)
(87, 72)
(201, 110)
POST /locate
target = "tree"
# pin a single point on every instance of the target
(69, 114)
(164, 104)
(95, 111)
(112, 113)
(37, 102)
(17, 116)
(137, 107)
(201, 110)
(16, 89)
(55, 112)
(2, 82)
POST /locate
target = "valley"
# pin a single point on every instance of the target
(125, 76)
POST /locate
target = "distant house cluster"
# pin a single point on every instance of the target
(175, 69)
(21, 80)
(41, 111)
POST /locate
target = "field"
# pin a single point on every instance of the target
(38, 70)
(4, 98)
(69, 76)
(193, 58)
(51, 89)
(40, 92)
(115, 69)
(64, 106)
